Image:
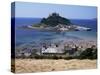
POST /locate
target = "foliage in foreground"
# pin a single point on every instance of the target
(89, 53)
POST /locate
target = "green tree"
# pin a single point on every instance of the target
(54, 19)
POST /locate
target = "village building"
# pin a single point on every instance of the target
(52, 50)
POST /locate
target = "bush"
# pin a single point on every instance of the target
(89, 53)
(38, 57)
(68, 58)
(60, 57)
(55, 57)
(94, 54)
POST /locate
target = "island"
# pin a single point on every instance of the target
(55, 22)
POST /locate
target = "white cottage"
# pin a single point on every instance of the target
(53, 50)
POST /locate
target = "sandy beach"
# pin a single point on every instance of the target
(44, 65)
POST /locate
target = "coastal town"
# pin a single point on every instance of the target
(68, 48)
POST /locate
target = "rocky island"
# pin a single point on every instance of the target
(55, 22)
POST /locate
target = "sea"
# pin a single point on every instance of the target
(28, 36)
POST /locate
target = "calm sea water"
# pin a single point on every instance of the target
(25, 36)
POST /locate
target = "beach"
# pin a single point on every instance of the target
(46, 65)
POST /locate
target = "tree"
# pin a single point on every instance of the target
(89, 53)
(54, 19)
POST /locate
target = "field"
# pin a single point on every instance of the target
(44, 65)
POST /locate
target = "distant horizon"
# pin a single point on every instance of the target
(40, 10)
(44, 17)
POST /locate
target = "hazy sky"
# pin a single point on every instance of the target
(40, 10)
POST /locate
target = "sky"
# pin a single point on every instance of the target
(40, 10)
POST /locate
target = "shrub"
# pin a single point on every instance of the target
(89, 53)
(55, 57)
(94, 54)
(38, 57)
(68, 58)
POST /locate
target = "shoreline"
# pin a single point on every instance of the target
(60, 27)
